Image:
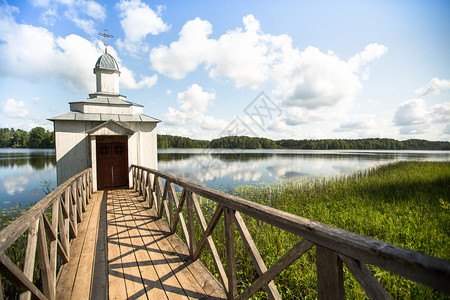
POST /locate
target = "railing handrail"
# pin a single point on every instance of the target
(419, 267)
(21, 224)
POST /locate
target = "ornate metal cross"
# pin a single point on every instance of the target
(106, 36)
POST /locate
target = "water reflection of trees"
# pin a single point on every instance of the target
(37, 161)
(246, 156)
(226, 157)
(175, 156)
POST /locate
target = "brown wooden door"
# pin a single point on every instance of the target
(119, 160)
(112, 163)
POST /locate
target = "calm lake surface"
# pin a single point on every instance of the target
(24, 172)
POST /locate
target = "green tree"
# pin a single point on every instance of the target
(20, 139)
(5, 138)
(37, 137)
(49, 140)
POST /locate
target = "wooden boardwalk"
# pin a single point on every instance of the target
(123, 251)
(116, 244)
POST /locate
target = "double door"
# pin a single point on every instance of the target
(112, 162)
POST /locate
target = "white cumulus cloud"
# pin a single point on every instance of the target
(357, 122)
(411, 112)
(433, 87)
(193, 105)
(14, 109)
(413, 118)
(370, 52)
(128, 81)
(138, 20)
(440, 113)
(67, 59)
(85, 14)
(183, 56)
(308, 79)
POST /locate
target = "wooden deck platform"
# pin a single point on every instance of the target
(124, 252)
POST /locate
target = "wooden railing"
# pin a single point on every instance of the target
(334, 246)
(52, 239)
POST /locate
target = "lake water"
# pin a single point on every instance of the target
(24, 172)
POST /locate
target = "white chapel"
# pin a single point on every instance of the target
(104, 132)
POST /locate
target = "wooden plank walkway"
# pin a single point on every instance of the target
(123, 251)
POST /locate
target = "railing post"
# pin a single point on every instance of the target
(44, 263)
(330, 280)
(231, 255)
(28, 268)
(139, 181)
(91, 186)
(133, 177)
(54, 244)
(190, 225)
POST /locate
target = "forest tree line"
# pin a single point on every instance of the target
(37, 137)
(245, 142)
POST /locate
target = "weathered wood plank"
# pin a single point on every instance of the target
(182, 222)
(130, 269)
(15, 275)
(330, 279)
(99, 284)
(285, 261)
(178, 212)
(44, 263)
(82, 284)
(197, 282)
(54, 243)
(191, 224)
(231, 254)
(167, 278)
(207, 230)
(63, 230)
(68, 271)
(51, 233)
(151, 284)
(30, 254)
(209, 284)
(258, 262)
(365, 278)
(116, 282)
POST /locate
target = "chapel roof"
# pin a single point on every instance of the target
(107, 101)
(78, 116)
(106, 61)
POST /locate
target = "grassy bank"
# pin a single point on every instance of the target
(404, 203)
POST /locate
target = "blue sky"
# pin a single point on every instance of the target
(327, 69)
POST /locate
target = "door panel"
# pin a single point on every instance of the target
(119, 160)
(112, 164)
(104, 170)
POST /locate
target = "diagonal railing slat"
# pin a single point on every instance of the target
(206, 238)
(333, 244)
(365, 278)
(28, 266)
(255, 256)
(285, 261)
(13, 273)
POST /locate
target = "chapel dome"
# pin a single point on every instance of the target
(106, 61)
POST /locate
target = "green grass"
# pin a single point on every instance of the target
(405, 203)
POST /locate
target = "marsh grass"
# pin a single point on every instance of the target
(404, 203)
